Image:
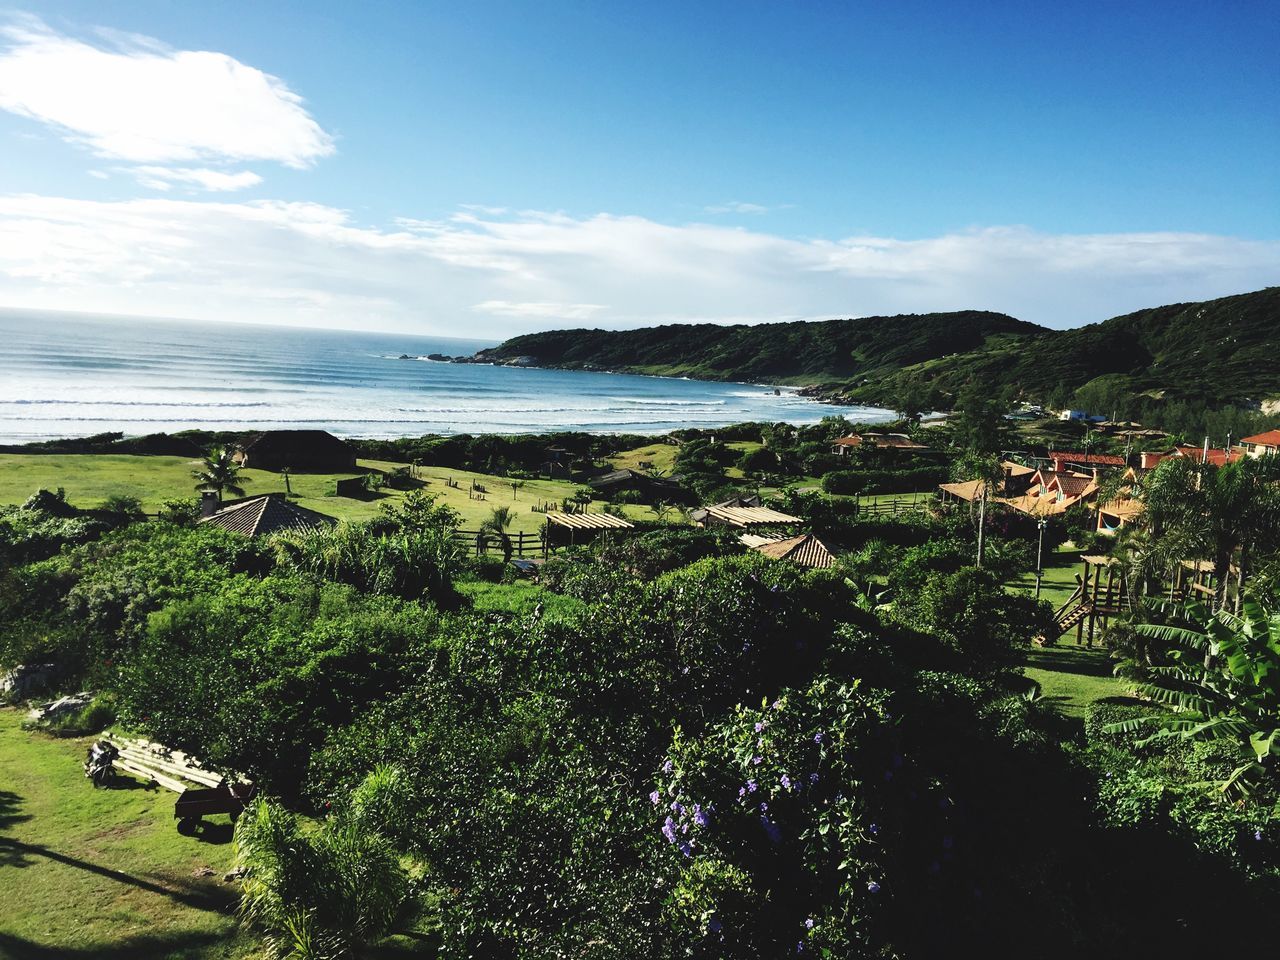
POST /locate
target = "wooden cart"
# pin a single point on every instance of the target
(194, 804)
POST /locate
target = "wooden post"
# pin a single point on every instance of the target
(1093, 607)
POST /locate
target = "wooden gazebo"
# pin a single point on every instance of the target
(570, 529)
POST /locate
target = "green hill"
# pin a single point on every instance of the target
(798, 352)
(1224, 351)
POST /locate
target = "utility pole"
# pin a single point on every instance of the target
(982, 514)
(1040, 556)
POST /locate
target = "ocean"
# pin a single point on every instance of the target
(72, 375)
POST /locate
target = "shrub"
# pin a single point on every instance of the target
(324, 893)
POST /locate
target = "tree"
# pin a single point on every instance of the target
(515, 486)
(284, 475)
(218, 472)
(497, 524)
(1196, 510)
(1221, 675)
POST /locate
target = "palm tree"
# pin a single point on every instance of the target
(219, 472)
(1196, 510)
(496, 526)
(515, 487)
(284, 473)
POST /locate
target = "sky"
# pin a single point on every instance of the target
(492, 168)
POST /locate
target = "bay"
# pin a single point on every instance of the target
(73, 375)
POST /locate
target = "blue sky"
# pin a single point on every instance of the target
(487, 168)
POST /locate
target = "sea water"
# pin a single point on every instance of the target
(73, 375)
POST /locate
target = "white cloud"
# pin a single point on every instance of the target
(133, 99)
(162, 178)
(476, 275)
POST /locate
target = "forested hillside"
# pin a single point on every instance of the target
(1216, 352)
(803, 352)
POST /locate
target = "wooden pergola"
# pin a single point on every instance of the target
(569, 529)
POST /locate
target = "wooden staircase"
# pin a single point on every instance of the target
(1073, 616)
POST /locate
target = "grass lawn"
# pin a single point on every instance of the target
(89, 479)
(661, 455)
(103, 873)
(1059, 583)
(1072, 678)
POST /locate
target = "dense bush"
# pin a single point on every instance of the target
(906, 479)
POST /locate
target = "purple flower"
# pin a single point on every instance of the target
(686, 849)
(675, 806)
(763, 806)
(777, 704)
(813, 778)
(785, 781)
(684, 828)
(751, 786)
(742, 791)
(888, 774)
(669, 830)
(759, 727)
(873, 829)
(800, 946)
(699, 817)
(756, 760)
(1257, 834)
(667, 767)
(713, 925)
(760, 743)
(817, 737)
(946, 843)
(655, 797)
(873, 887)
(808, 924)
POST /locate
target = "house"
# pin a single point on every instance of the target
(651, 488)
(1083, 416)
(1118, 514)
(1262, 444)
(304, 451)
(1216, 457)
(262, 515)
(841, 446)
(805, 550)
(1084, 462)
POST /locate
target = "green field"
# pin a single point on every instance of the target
(103, 873)
(89, 479)
(661, 455)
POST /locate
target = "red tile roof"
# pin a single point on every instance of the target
(1269, 439)
(1101, 459)
(1216, 457)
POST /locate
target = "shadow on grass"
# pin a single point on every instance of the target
(9, 815)
(1082, 661)
(14, 853)
(131, 948)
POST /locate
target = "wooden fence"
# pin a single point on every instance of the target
(482, 543)
(894, 506)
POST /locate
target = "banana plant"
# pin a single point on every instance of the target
(1220, 678)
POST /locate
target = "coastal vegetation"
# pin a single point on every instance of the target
(1186, 367)
(666, 743)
